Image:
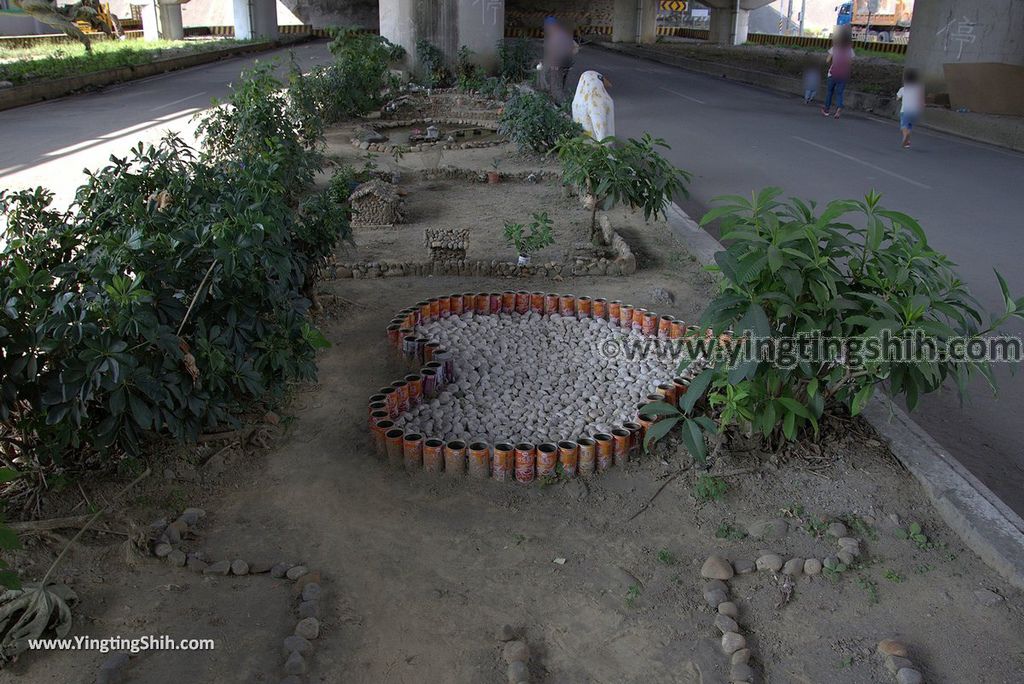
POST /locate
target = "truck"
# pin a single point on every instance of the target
(882, 20)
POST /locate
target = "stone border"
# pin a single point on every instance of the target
(622, 262)
(438, 370)
(985, 524)
(54, 88)
(306, 589)
(385, 124)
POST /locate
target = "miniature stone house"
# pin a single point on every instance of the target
(445, 244)
(375, 204)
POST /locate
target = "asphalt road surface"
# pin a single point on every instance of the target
(734, 138)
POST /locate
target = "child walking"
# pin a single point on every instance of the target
(911, 97)
(812, 79)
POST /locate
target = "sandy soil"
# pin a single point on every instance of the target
(420, 572)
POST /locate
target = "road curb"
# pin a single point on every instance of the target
(985, 524)
(30, 93)
(1004, 132)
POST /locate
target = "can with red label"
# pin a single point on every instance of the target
(550, 303)
(525, 461)
(600, 309)
(503, 462)
(508, 301)
(620, 449)
(587, 456)
(605, 451)
(567, 305)
(433, 455)
(455, 458)
(547, 459)
(583, 307)
(626, 317)
(522, 302)
(537, 302)
(568, 456)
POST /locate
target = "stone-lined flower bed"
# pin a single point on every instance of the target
(441, 142)
(506, 371)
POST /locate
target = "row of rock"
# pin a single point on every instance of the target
(716, 567)
(734, 644)
(306, 589)
(402, 123)
(516, 654)
(622, 265)
(420, 147)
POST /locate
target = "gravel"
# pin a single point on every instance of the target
(533, 378)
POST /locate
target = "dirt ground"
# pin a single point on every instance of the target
(420, 572)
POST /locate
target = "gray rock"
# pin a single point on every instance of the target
(279, 570)
(660, 295)
(196, 564)
(6, 84)
(716, 567)
(726, 624)
(309, 609)
(518, 673)
(845, 557)
(770, 561)
(296, 664)
(218, 568)
(987, 598)
(715, 597)
(162, 550)
(506, 633)
(794, 566)
(296, 644)
(311, 592)
(260, 567)
(743, 566)
(909, 676)
(740, 656)
(728, 608)
(837, 530)
(296, 572)
(895, 663)
(732, 642)
(516, 651)
(308, 628)
(812, 566)
(741, 672)
(239, 567)
(775, 528)
(176, 558)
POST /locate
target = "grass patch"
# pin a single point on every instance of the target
(45, 62)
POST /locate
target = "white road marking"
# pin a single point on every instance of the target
(184, 99)
(688, 97)
(864, 163)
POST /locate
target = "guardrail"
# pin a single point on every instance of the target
(17, 42)
(823, 43)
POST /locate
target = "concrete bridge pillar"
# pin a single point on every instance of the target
(635, 21)
(730, 20)
(255, 19)
(161, 22)
(446, 24)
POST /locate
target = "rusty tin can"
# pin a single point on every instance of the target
(551, 303)
(649, 326)
(455, 458)
(600, 309)
(455, 305)
(537, 302)
(547, 459)
(444, 307)
(678, 330)
(392, 401)
(393, 440)
(638, 319)
(482, 307)
(587, 456)
(415, 384)
(626, 316)
(424, 315)
(665, 327)
(503, 462)
(569, 457)
(435, 308)
(429, 376)
(615, 313)
(495, 303)
(567, 305)
(412, 452)
(402, 389)
(605, 451)
(621, 441)
(380, 444)
(479, 460)
(433, 455)
(508, 301)
(522, 302)
(395, 335)
(635, 439)
(526, 455)
(583, 306)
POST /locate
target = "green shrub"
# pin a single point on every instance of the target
(531, 237)
(853, 271)
(257, 123)
(468, 75)
(533, 122)
(167, 299)
(494, 88)
(631, 172)
(516, 59)
(434, 72)
(352, 85)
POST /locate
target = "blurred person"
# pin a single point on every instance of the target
(559, 54)
(811, 78)
(911, 97)
(840, 65)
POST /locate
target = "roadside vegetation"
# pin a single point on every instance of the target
(44, 62)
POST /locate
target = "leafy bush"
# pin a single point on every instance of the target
(257, 123)
(792, 270)
(468, 76)
(167, 299)
(434, 71)
(494, 88)
(352, 85)
(532, 237)
(516, 58)
(631, 172)
(533, 122)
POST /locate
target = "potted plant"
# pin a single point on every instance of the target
(493, 176)
(530, 237)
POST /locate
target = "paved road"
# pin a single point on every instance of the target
(734, 138)
(968, 197)
(50, 143)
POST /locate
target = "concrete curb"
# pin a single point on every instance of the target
(999, 131)
(985, 524)
(47, 90)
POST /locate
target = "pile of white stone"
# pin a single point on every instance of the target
(534, 378)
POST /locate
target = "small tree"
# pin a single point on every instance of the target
(529, 238)
(631, 172)
(533, 122)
